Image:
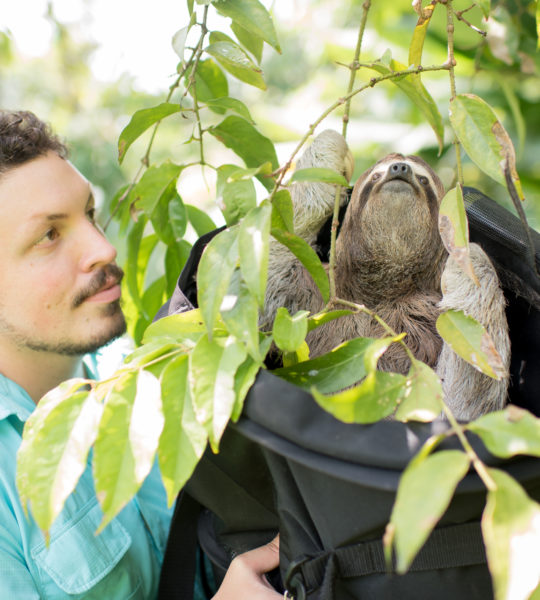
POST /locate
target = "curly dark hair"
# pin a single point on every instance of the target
(24, 137)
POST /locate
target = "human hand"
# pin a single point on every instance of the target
(245, 578)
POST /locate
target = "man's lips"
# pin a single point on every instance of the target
(108, 293)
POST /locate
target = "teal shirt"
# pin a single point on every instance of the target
(122, 562)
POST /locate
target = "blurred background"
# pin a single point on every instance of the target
(87, 65)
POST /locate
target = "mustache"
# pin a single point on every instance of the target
(106, 277)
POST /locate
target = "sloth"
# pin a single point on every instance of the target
(390, 258)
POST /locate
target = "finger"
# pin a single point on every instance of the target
(263, 559)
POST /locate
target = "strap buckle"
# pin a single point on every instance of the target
(294, 581)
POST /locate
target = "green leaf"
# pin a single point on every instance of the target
(175, 259)
(140, 122)
(253, 247)
(137, 260)
(245, 141)
(423, 400)
(376, 349)
(301, 354)
(224, 104)
(485, 5)
(234, 60)
(509, 433)
(150, 351)
(537, 23)
(469, 339)
(308, 257)
(243, 380)
(319, 174)
(177, 216)
(325, 317)
(180, 327)
(210, 82)
(375, 398)
(183, 439)
(212, 368)
(424, 493)
(511, 530)
(336, 370)
(153, 184)
(252, 43)
(160, 217)
(240, 313)
(127, 440)
(214, 273)
(454, 229)
(201, 222)
(417, 43)
(289, 332)
(484, 138)
(282, 211)
(54, 450)
(417, 93)
(178, 41)
(237, 197)
(252, 16)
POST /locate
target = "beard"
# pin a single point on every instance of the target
(110, 324)
(66, 347)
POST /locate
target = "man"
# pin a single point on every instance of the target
(60, 301)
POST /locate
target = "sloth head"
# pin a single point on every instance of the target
(390, 225)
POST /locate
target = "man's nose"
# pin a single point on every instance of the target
(98, 251)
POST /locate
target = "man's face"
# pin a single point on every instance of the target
(59, 284)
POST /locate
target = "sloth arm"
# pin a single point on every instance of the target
(468, 392)
(289, 284)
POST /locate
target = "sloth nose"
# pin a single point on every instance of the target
(400, 168)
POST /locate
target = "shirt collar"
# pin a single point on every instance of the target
(14, 400)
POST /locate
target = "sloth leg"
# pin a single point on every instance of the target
(289, 284)
(468, 392)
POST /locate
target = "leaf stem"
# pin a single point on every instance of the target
(479, 466)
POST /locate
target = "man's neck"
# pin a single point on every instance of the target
(38, 372)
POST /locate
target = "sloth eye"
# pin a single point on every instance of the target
(423, 180)
(375, 176)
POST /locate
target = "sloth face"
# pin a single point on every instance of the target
(393, 210)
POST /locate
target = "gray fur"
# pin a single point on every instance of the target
(389, 256)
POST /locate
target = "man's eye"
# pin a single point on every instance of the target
(91, 214)
(51, 235)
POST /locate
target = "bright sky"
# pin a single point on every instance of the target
(132, 35)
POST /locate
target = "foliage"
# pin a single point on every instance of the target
(191, 372)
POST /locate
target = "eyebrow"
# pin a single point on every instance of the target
(59, 216)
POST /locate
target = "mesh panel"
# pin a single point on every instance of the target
(498, 224)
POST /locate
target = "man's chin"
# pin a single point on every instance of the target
(116, 328)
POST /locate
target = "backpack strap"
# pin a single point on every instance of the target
(447, 547)
(177, 579)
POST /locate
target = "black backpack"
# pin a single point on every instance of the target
(329, 487)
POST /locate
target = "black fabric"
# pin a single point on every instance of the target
(177, 579)
(329, 487)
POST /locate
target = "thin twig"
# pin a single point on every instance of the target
(372, 82)
(451, 62)
(145, 160)
(354, 66)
